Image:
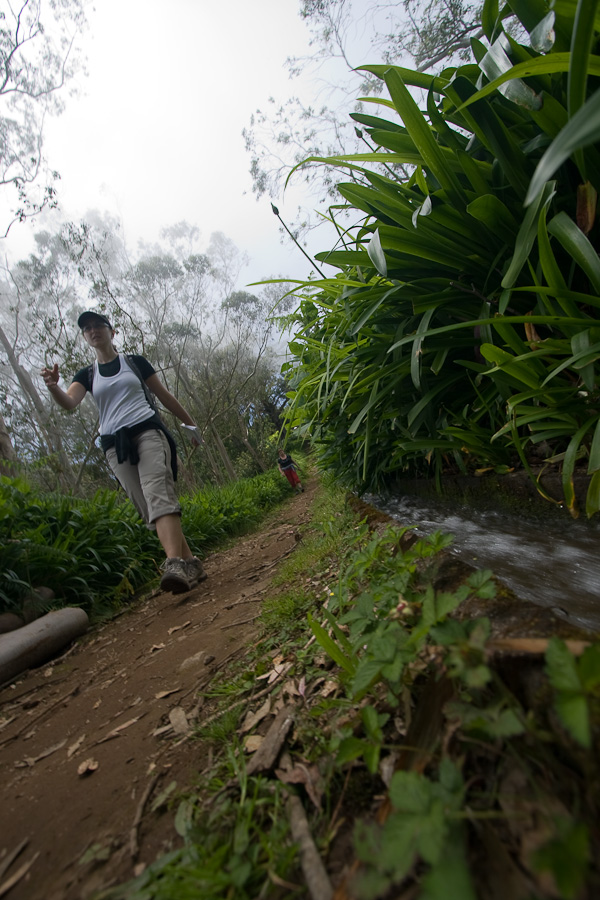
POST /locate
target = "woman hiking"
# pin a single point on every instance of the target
(139, 449)
(287, 467)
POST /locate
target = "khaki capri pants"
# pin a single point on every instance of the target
(149, 485)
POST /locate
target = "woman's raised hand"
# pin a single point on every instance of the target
(50, 376)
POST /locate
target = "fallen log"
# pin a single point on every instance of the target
(39, 641)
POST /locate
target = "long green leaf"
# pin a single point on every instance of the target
(528, 233)
(541, 65)
(569, 466)
(557, 321)
(577, 244)
(594, 460)
(344, 661)
(483, 121)
(420, 133)
(581, 45)
(580, 131)
(592, 500)
(409, 76)
(490, 210)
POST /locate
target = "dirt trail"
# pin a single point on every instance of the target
(123, 698)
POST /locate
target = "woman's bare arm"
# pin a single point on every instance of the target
(68, 399)
(168, 400)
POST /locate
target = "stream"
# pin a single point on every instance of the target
(551, 563)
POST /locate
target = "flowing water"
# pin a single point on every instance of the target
(552, 563)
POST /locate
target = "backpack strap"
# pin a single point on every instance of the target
(148, 393)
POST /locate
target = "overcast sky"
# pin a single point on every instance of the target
(156, 136)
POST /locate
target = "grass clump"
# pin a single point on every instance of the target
(95, 552)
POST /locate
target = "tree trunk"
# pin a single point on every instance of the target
(217, 474)
(50, 431)
(246, 442)
(8, 455)
(89, 452)
(223, 452)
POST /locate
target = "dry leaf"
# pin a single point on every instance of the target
(309, 776)
(276, 672)
(252, 743)
(156, 647)
(252, 719)
(387, 767)
(328, 688)
(75, 747)
(290, 688)
(178, 720)
(162, 694)
(97, 704)
(87, 767)
(278, 704)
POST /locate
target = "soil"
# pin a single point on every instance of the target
(91, 741)
(124, 699)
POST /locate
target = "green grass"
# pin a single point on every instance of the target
(96, 553)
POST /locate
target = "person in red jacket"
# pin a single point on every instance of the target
(287, 467)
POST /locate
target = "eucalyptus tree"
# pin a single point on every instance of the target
(41, 297)
(343, 35)
(38, 57)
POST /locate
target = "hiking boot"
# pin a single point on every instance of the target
(195, 570)
(176, 577)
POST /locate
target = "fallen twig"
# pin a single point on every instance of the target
(20, 873)
(134, 847)
(32, 760)
(7, 863)
(241, 702)
(240, 622)
(315, 875)
(532, 645)
(267, 753)
(116, 732)
(44, 712)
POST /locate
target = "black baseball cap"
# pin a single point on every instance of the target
(90, 316)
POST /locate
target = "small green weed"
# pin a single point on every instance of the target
(223, 729)
(281, 616)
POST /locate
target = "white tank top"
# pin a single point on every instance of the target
(121, 399)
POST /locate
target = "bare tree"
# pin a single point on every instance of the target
(38, 57)
(344, 35)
